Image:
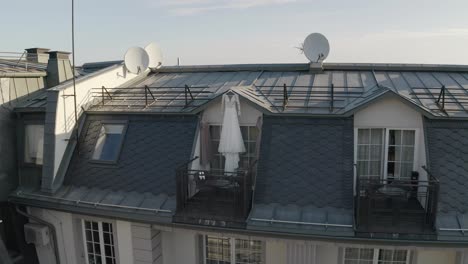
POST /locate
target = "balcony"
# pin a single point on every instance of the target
(396, 208)
(213, 197)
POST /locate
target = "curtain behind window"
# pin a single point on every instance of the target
(34, 144)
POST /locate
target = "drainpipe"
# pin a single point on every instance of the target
(49, 225)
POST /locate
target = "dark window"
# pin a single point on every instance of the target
(33, 143)
(109, 142)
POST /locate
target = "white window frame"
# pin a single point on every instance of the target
(385, 157)
(375, 259)
(232, 245)
(101, 240)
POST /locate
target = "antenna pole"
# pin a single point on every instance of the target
(73, 67)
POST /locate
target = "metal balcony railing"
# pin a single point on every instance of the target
(406, 206)
(214, 194)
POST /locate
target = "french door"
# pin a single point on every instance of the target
(384, 153)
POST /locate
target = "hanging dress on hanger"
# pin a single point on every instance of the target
(231, 142)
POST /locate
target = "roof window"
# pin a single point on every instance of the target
(109, 142)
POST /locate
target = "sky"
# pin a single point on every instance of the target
(243, 31)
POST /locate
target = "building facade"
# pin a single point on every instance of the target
(347, 163)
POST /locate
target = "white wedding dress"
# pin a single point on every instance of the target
(231, 142)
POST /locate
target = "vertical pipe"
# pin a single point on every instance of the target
(73, 71)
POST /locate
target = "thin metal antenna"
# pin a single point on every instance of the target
(73, 69)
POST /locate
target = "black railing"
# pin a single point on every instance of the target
(396, 205)
(214, 194)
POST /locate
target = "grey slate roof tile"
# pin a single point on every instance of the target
(447, 143)
(153, 148)
(306, 161)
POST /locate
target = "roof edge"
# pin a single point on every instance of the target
(306, 67)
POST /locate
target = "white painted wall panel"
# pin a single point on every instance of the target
(179, 246)
(300, 253)
(214, 113)
(436, 257)
(124, 241)
(66, 240)
(275, 252)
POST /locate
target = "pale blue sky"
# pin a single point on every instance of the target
(243, 31)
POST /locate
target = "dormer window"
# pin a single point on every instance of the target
(109, 142)
(33, 143)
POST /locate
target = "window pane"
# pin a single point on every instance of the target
(408, 137)
(33, 144)
(391, 153)
(394, 137)
(399, 255)
(375, 168)
(108, 143)
(377, 136)
(407, 154)
(248, 251)
(363, 152)
(352, 253)
(366, 254)
(385, 255)
(93, 231)
(376, 153)
(363, 136)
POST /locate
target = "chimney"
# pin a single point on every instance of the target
(37, 55)
(59, 68)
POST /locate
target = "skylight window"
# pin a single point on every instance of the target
(109, 142)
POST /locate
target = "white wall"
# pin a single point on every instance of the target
(179, 246)
(65, 115)
(275, 252)
(436, 257)
(123, 232)
(63, 223)
(214, 113)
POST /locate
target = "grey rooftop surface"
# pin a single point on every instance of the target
(10, 67)
(153, 147)
(308, 92)
(305, 174)
(447, 141)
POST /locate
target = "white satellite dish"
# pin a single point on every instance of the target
(155, 55)
(316, 47)
(136, 60)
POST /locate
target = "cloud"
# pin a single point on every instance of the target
(438, 33)
(191, 7)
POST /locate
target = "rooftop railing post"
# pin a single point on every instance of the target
(102, 92)
(332, 95)
(285, 96)
(146, 95)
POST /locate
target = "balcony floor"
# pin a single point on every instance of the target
(387, 218)
(215, 207)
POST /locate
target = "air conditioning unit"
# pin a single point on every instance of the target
(36, 234)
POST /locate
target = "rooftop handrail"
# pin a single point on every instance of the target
(183, 165)
(434, 178)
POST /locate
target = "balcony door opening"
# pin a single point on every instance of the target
(385, 154)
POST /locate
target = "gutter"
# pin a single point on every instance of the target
(49, 225)
(299, 223)
(96, 203)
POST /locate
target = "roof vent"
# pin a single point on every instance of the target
(59, 68)
(38, 55)
(316, 49)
